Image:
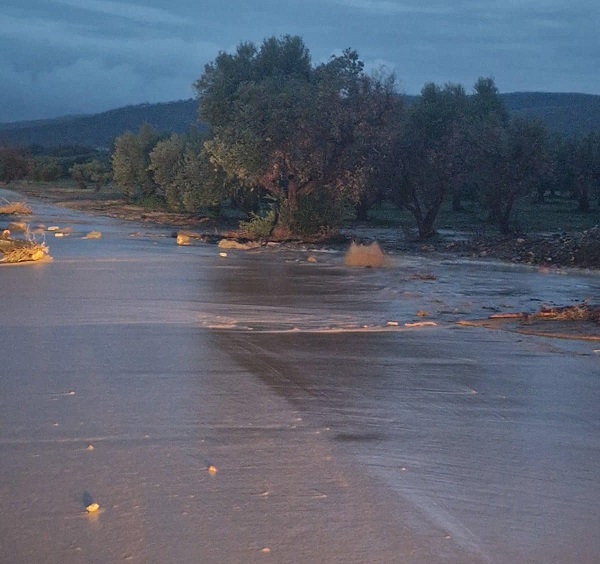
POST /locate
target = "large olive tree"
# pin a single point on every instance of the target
(297, 131)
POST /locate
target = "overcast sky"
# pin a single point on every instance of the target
(60, 57)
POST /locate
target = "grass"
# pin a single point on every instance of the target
(554, 215)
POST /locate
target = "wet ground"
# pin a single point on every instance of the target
(130, 365)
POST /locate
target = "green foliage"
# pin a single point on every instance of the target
(131, 161)
(13, 164)
(45, 169)
(431, 154)
(94, 172)
(260, 226)
(294, 130)
(511, 161)
(317, 214)
(185, 176)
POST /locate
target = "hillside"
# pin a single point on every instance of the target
(568, 114)
(99, 130)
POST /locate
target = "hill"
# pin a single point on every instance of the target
(567, 114)
(99, 130)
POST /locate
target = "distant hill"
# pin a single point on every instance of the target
(568, 114)
(99, 130)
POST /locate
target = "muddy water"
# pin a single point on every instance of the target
(337, 436)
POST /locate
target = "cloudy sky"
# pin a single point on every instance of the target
(60, 57)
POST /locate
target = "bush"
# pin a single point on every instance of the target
(259, 226)
(317, 214)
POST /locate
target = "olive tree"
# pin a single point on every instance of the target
(292, 129)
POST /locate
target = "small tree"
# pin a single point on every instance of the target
(45, 169)
(94, 172)
(185, 175)
(511, 161)
(13, 164)
(431, 155)
(131, 161)
(587, 170)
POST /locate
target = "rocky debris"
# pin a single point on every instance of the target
(559, 249)
(236, 245)
(93, 235)
(21, 250)
(15, 208)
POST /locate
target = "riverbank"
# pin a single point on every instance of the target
(548, 249)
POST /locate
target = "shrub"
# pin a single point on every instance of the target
(259, 226)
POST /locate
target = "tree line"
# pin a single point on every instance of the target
(301, 147)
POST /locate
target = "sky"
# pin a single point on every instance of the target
(67, 57)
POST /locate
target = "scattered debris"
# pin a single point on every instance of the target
(369, 256)
(22, 250)
(421, 324)
(516, 315)
(15, 208)
(580, 312)
(236, 245)
(93, 235)
(183, 240)
(17, 226)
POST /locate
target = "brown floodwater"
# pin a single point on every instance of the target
(130, 366)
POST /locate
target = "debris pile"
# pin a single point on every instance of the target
(24, 249)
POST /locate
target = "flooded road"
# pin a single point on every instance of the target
(129, 366)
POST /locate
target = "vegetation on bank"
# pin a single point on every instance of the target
(299, 149)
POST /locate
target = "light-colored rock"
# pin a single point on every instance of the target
(183, 239)
(93, 235)
(236, 245)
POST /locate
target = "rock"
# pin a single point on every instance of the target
(311, 259)
(93, 235)
(236, 245)
(183, 239)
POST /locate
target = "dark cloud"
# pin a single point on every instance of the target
(62, 57)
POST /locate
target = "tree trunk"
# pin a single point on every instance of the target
(362, 211)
